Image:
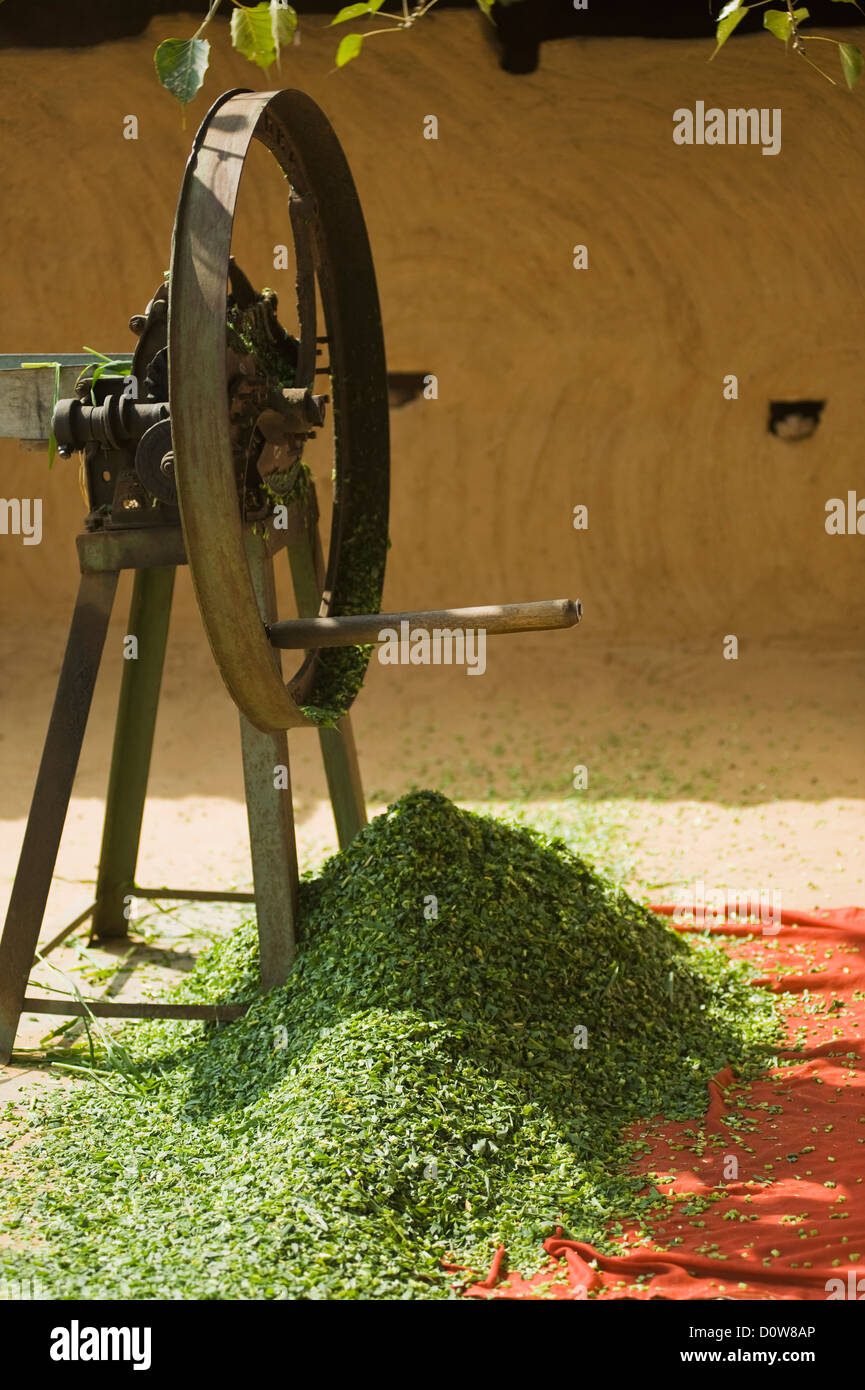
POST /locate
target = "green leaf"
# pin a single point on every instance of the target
(851, 63)
(726, 27)
(778, 23)
(55, 367)
(729, 8)
(121, 368)
(349, 48)
(180, 66)
(93, 353)
(252, 35)
(52, 441)
(350, 12)
(283, 25)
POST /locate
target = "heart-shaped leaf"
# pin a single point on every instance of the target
(181, 65)
(252, 34)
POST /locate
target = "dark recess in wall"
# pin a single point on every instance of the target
(521, 28)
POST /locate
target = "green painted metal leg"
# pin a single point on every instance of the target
(343, 780)
(149, 615)
(51, 796)
(337, 744)
(269, 810)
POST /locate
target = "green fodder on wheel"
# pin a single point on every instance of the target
(340, 671)
(413, 1093)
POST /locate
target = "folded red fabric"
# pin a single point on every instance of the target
(784, 1201)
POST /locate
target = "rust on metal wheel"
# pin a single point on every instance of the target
(205, 364)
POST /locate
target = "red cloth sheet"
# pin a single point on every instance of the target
(786, 1239)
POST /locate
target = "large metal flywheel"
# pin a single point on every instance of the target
(209, 375)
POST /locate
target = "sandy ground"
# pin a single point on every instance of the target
(742, 774)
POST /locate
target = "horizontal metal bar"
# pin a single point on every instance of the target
(103, 1008)
(140, 547)
(308, 633)
(192, 895)
(28, 384)
(157, 547)
(67, 930)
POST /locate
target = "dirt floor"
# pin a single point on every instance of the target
(743, 774)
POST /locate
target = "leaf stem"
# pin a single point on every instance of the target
(797, 45)
(819, 69)
(207, 18)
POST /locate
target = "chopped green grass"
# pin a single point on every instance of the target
(414, 1093)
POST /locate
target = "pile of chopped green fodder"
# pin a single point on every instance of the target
(414, 1093)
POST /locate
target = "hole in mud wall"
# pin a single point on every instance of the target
(794, 420)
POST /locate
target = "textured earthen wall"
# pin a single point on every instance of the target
(557, 386)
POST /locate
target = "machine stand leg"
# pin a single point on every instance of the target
(270, 811)
(51, 796)
(337, 744)
(149, 615)
(343, 780)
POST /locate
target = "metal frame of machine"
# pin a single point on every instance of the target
(197, 457)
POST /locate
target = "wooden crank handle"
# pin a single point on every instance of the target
(309, 633)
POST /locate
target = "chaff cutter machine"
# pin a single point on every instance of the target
(194, 455)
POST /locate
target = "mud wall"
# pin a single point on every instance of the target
(557, 386)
